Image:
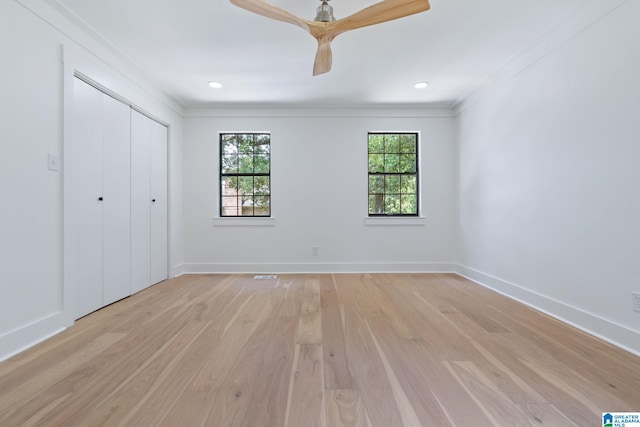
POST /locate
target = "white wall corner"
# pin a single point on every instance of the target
(613, 333)
(177, 270)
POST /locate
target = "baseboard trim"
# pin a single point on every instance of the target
(293, 268)
(25, 337)
(611, 332)
(178, 270)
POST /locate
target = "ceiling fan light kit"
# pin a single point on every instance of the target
(325, 27)
(325, 12)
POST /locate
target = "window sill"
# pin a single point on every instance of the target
(243, 222)
(395, 221)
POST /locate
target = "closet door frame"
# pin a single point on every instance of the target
(79, 65)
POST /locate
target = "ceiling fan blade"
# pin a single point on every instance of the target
(386, 10)
(263, 8)
(325, 32)
(324, 56)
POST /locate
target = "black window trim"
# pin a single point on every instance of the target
(417, 175)
(222, 175)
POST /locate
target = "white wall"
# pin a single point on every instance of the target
(32, 40)
(319, 187)
(549, 175)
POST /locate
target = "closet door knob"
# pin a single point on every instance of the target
(100, 198)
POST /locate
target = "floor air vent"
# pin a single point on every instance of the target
(265, 277)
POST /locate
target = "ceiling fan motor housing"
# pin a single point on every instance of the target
(325, 13)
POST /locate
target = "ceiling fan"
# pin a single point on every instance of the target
(325, 27)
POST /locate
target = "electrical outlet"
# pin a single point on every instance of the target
(636, 301)
(315, 250)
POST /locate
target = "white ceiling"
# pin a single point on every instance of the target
(182, 45)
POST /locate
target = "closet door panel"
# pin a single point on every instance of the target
(140, 202)
(83, 188)
(117, 200)
(159, 203)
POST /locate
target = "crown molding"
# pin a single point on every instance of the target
(324, 111)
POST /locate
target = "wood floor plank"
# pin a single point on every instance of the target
(123, 399)
(196, 400)
(368, 369)
(490, 363)
(298, 350)
(305, 405)
(419, 387)
(345, 409)
(310, 327)
(22, 390)
(268, 403)
(407, 411)
(546, 415)
(229, 406)
(495, 404)
(155, 405)
(336, 366)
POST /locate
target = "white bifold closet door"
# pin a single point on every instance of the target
(159, 203)
(97, 200)
(148, 202)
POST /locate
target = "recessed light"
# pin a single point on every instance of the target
(421, 85)
(215, 85)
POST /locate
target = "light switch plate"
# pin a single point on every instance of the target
(52, 162)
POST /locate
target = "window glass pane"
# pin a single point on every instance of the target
(229, 145)
(376, 184)
(376, 204)
(261, 185)
(392, 163)
(263, 140)
(392, 204)
(407, 163)
(392, 184)
(408, 184)
(230, 185)
(245, 163)
(226, 137)
(231, 206)
(261, 163)
(262, 148)
(245, 144)
(392, 143)
(376, 143)
(376, 163)
(408, 143)
(230, 163)
(408, 204)
(245, 185)
(262, 205)
(247, 208)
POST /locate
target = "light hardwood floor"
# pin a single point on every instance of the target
(318, 350)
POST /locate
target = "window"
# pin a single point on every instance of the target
(393, 174)
(245, 174)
